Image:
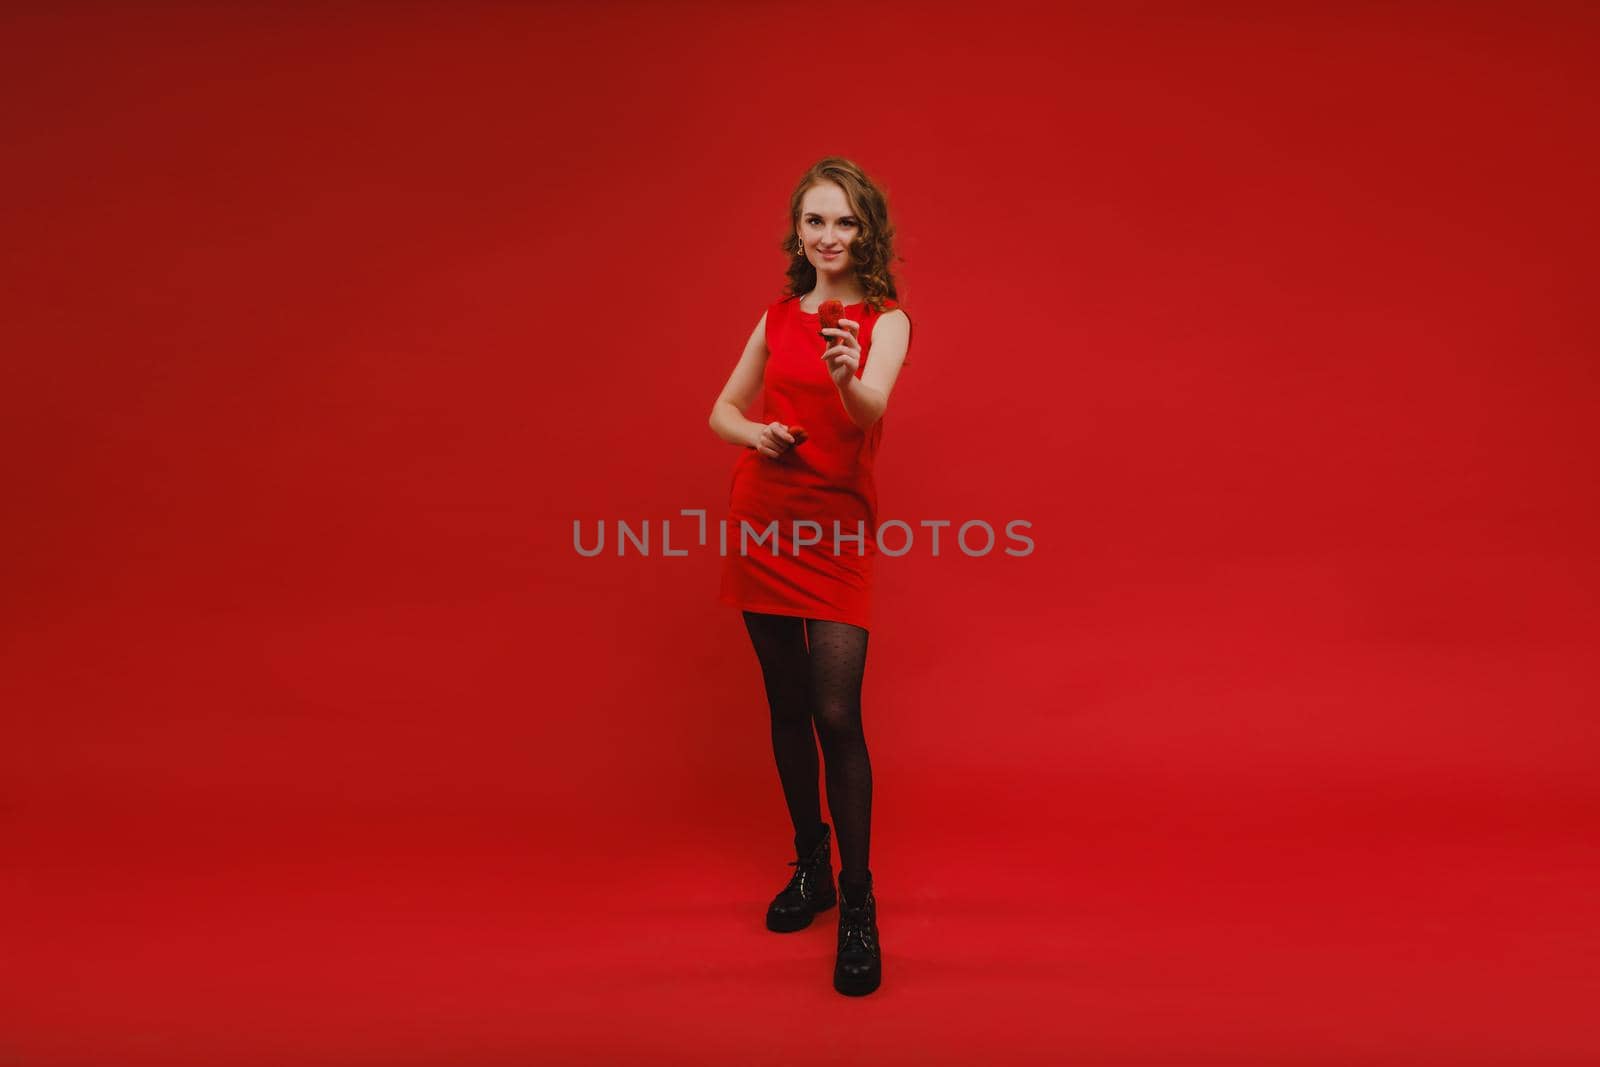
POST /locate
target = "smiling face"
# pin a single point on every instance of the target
(827, 226)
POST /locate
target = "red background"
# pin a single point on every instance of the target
(323, 324)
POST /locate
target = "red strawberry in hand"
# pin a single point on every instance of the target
(796, 431)
(830, 313)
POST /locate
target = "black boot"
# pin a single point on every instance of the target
(809, 891)
(858, 968)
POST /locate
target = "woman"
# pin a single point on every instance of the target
(802, 522)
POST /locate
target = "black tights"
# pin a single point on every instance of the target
(812, 669)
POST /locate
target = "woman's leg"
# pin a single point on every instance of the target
(838, 663)
(780, 644)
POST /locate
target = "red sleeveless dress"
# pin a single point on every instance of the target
(826, 479)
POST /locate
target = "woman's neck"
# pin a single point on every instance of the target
(825, 290)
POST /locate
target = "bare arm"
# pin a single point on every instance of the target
(867, 398)
(744, 385)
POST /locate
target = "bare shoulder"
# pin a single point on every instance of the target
(891, 345)
(894, 321)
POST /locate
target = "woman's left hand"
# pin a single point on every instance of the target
(845, 356)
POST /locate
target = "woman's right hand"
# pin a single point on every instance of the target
(775, 440)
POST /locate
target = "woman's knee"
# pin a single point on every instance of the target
(837, 717)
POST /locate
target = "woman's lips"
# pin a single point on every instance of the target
(829, 255)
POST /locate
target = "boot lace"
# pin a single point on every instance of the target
(855, 930)
(797, 880)
(802, 867)
(807, 875)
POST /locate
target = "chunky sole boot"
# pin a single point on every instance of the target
(858, 967)
(809, 891)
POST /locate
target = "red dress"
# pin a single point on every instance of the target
(827, 478)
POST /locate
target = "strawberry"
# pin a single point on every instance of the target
(830, 313)
(797, 432)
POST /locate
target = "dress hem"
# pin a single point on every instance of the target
(794, 613)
